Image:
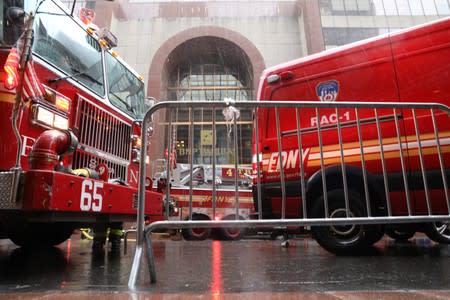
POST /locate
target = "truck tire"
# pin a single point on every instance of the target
(344, 239)
(438, 231)
(197, 234)
(399, 233)
(230, 233)
(40, 234)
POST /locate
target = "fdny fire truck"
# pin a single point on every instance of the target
(395, 154)
(200, 201)
(70, 133)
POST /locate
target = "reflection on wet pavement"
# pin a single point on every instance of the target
(218, 268)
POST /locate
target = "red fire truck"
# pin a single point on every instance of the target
(70, 134)
(411, 65)
(203, 206)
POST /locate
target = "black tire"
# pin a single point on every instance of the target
(197, 234)
(438, 231)
(230, 233)
(399, 233)
(40, 234)
(344, 239)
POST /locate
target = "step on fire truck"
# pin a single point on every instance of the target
(411, 65)
(203, 208)
(70, 134)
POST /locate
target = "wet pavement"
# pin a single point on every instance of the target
(250, 268)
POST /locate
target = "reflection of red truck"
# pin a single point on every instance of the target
(91, 101)
(412, 65)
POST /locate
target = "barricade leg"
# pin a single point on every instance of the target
(150, 258)
(135, 267)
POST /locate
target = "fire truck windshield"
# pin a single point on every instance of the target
(125, 90)
(65, 44)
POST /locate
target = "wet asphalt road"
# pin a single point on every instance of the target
(215, 268)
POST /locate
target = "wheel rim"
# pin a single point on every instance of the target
(443, 228)
(343, 230)
(198, 231)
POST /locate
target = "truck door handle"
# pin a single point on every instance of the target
(266, 148)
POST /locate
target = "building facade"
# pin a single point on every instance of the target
(217, 49)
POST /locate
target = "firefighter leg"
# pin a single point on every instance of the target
(98, 243)
(115, 235)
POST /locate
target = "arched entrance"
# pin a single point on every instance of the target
(209, 69)
(205, 63)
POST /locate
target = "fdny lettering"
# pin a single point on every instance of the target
(289, 160)
(330, 119)
(27, 143)
(134, 176)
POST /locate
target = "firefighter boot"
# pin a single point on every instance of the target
(98, 243)
(114, 237)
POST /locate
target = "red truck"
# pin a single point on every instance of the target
(70, 133)
(410, 65)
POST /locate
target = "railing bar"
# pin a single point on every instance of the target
(191, 159)
(441, 159)
(322, 165)
(302, 167)
(363, 163)
(422, 163)
(383, 163)
(214, 191)
(169, 162)
(343, 169)
(280, 164)
(258, 163)
(236, 171)
(402, 162)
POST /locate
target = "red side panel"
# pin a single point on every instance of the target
(50, 191)
(422, 61)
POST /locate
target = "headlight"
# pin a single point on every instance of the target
(48, 118)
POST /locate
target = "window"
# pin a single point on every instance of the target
(378, 7)
(68, 47)
(125, 90)
(390, 7)
(429, 7)
(416, 7)
(403, 8)
(442, 7)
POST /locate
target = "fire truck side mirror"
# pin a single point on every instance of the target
(16, 16)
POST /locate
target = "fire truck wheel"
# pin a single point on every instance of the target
(40, 234)
(438, 231)
(231, 233)
(344, 239)
(197, 234)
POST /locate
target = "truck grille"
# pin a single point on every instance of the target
(102, 139)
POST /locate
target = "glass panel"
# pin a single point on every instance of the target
(337, 5)
(363, 5)
(442, 7)
(416, 8)
(63, 43)
(350, 5)
(390, 8)
(403, 8)
(429, 7)
(378, 7)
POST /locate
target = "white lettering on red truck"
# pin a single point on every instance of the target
(330, 119)
(289, 159)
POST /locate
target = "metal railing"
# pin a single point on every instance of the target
(384, 163)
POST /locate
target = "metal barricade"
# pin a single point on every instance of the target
(333, 165)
